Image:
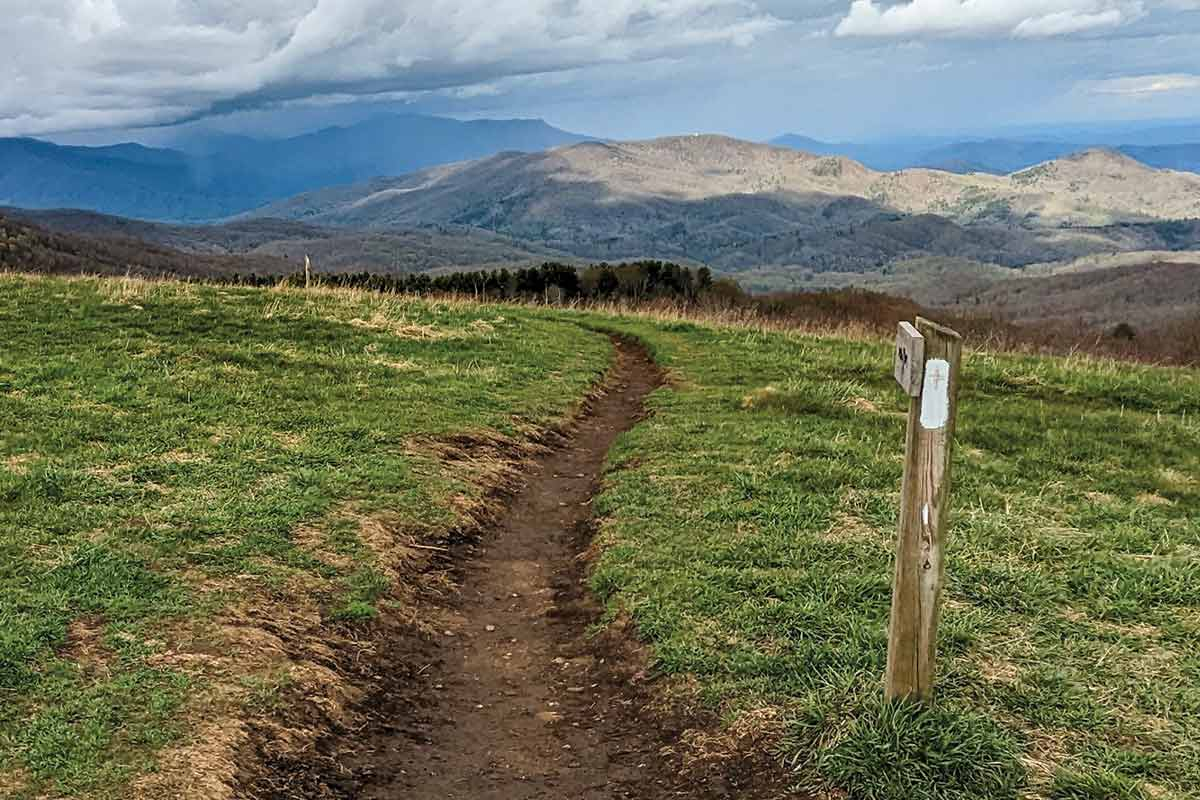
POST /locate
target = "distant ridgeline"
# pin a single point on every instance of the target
(552, 282)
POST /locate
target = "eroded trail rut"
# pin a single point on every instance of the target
(517, 712)
(513, 700)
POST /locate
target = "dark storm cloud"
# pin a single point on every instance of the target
(607, 67)
(85, 63)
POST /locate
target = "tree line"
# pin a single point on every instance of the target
(551, 282)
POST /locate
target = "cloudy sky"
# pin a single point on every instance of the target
(618, 68)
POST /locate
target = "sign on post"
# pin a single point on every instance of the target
(928, 357)
(910, 355)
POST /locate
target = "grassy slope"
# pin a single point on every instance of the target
(750, 537)
(169, 454)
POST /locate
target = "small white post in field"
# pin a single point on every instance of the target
(307, 273)
(927, 363)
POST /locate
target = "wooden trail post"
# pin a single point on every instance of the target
(928, 357)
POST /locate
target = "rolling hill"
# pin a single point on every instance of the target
(779, 216)
(31, 248)
(1144, 295)
(435, 247)
(736, 205)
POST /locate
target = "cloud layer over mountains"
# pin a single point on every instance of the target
(81, 63)
(620, 68)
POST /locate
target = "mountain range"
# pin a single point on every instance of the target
(221, 177)
(739, 205)
(767, 213)
(996, 156)
(211, 177)
(1093, 237)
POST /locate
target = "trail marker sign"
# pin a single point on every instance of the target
(928, 357)
(910, 359)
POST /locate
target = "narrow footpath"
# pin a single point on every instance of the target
(515, 700)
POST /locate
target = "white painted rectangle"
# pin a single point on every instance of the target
(910, 359)
(935, 396)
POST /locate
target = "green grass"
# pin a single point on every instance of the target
(749, 533)
(172, 455)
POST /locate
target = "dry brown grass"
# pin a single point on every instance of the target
(760, 398)
(401, 328)
(19, 464)
(997, 669)
(864, 315)
(183, 457)
(288, 441)
(863, 405)
(755, 729)
(853, 314)
(1176, 479)
(847, 526)
(13, 782)
(255, 641)
(399, 366)
(85, 646)
(206, 766)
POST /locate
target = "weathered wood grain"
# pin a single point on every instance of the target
(924, 505)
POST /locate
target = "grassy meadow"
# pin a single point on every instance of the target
(193, 479)
(749, 535)
(180, 463)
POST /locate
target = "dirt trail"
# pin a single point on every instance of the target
(513, 701)
(514, 717)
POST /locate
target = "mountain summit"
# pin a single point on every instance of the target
(581, 184)
(736, 204)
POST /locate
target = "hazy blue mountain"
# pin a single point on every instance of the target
(1171, 156)
(995, 156)
(810, 145)
(382, 146)
(1005, 156)
(884, 155)
(220, 176)
(127, 180)
(1111, 134)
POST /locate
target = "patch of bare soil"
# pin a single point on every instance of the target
(511, 697)
(85, 646)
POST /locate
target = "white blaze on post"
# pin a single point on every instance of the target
(935, 396)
